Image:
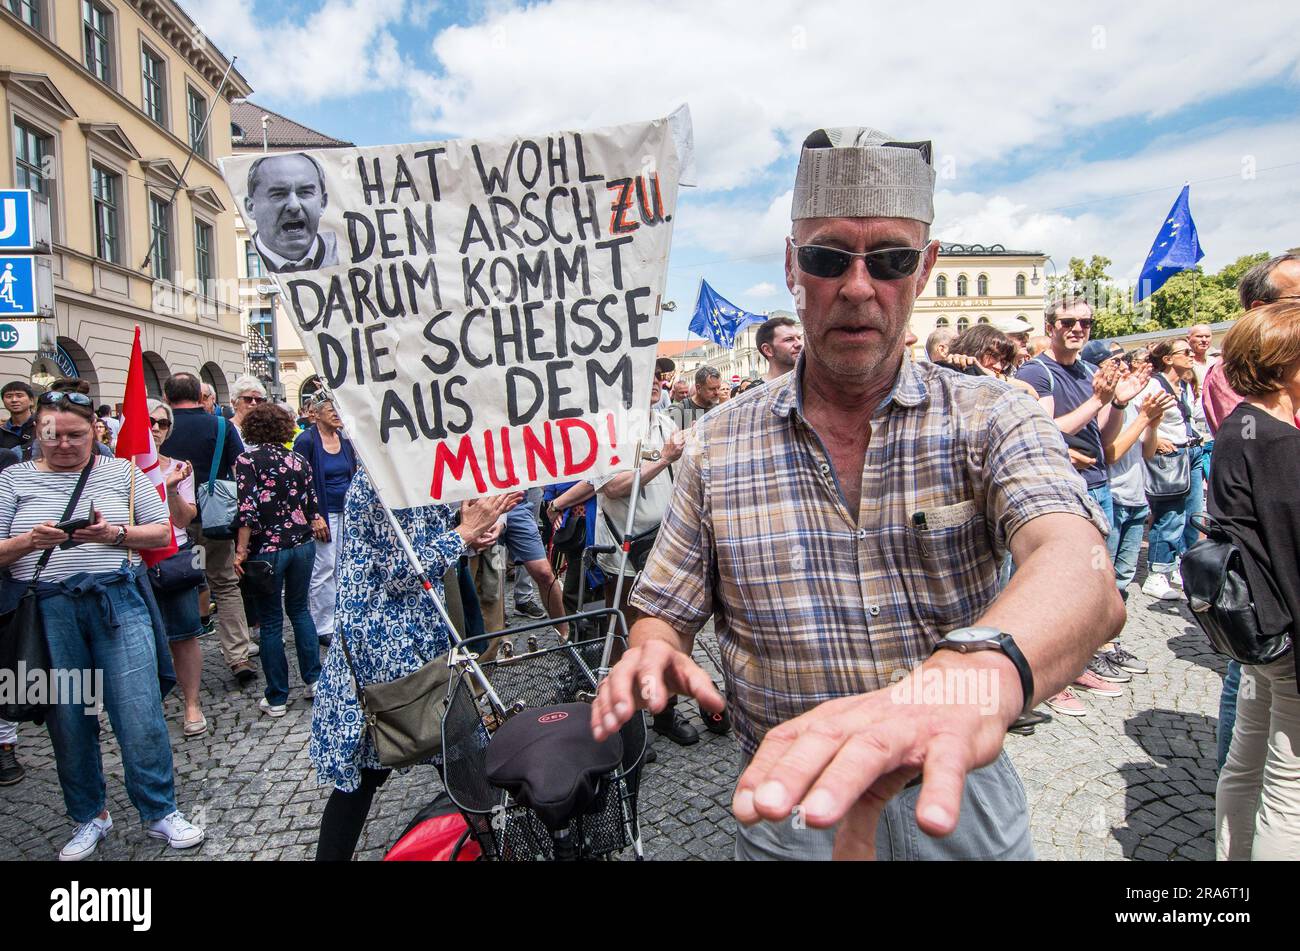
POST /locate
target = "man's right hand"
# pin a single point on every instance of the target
(644, 679)
(1103, 383)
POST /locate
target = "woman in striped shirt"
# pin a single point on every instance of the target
(98, 617)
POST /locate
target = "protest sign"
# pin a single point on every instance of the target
(486, 313)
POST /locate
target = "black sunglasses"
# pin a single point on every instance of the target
(1067, 323)
(885, 264)
(54, 397)
(160, 423)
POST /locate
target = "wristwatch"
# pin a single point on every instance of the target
(121, 536)
(970, 639)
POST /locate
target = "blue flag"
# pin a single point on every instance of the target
(1175, 249)
(718, 319)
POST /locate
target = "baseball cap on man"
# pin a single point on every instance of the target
(857, 172)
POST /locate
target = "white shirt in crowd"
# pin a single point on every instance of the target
(650, 510)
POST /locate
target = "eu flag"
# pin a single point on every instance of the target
(718, 319)
(1175, 249)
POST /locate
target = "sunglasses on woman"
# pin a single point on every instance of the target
(55, 397)
(884, 264)
(163, 424)
(255, 400)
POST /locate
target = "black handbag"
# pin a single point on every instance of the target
(177, 572)
(1218, 592)
(639, 546)
(1169, 476)
(259, 578)
(23, 647)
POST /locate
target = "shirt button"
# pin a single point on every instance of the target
(825, 469)
(873, 610)
(862, 534)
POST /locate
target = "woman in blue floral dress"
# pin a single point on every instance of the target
(390, 628)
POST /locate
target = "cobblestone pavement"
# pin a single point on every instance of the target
(1134, 779)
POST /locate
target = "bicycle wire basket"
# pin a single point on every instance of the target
(504, 829)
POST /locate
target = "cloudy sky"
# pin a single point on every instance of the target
(1063, 130)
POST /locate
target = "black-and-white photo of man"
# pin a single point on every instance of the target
(286, 195)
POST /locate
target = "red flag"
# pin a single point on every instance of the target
(135, 442)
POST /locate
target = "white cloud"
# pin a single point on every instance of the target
(343, 49)
(982, 82)
(763, 289)
(1094, 208)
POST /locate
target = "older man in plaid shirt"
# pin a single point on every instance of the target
(841, 524)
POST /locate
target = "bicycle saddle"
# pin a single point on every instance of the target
(547, 759)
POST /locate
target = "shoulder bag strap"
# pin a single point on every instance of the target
(217, 453)
(67, 514)
(1182, 406)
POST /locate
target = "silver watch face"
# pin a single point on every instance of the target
(971, 635)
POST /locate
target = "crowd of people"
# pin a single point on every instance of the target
(935, 504)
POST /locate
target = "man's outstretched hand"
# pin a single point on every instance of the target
(845, 759)
(643, 679)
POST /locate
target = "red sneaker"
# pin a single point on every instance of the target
(1094, 684)
(1067, 702)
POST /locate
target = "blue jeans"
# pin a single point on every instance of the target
(293, 580)
(1127, 523)
(1101, 495)
(100, 622)
(1227, 711)
(1196, 497)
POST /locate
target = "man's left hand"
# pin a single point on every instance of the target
(845, 759)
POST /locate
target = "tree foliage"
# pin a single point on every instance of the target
(1189, 297)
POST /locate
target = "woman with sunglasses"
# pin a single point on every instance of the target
(277, 505)
(97, 615)
(175, 582)
(249, 394)
(1170, 517)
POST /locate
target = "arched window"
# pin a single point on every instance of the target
(963, 286)
(984, 319)
(1020, 285)
(941, 323)
(962, 323)
(941, 286)
(982, 285)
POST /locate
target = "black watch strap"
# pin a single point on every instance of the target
(1008, 645)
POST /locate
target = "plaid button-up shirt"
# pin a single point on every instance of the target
(812, 602)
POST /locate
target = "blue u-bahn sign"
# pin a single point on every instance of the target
(16, 230)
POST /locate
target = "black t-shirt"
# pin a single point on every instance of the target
(194, 439)
(1253, 497)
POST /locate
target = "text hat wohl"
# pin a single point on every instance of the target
(856, 172)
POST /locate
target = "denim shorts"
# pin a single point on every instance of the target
(180, 613)
(522, 536)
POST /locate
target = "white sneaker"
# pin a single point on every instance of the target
(179, 833)
(1176, 576)
(272, 709)
(254, 648)
(86, 839)
(311, 691)
(1157, 586)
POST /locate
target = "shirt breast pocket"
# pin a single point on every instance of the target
(956, 575)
